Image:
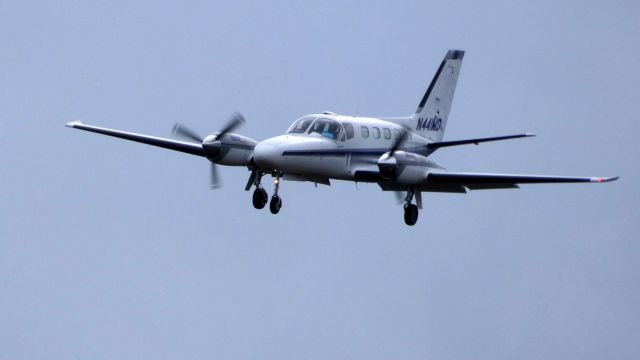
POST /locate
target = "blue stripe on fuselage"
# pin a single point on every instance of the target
(343, 152)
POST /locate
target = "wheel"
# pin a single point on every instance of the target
(275, 204)
(260, 198)
(410, 214)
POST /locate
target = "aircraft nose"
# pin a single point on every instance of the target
(266, 154)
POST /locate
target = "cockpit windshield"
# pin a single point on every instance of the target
(301, 125)
(327, 128)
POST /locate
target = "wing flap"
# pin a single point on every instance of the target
(185, 147)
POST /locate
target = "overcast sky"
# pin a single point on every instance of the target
(117, 250)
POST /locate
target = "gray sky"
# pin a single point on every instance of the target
(111, 249)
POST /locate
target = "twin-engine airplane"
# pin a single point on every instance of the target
(392, 152)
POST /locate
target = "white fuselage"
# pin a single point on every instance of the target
(332, 146)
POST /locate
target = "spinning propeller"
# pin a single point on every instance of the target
(212, 144)
(388, 164)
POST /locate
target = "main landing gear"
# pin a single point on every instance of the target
(411, 210)
(260, 196)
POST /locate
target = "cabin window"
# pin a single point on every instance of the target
(387, 133)
(348, 129)
(376, 132)
(365, 131)
(327, 128)
(396, 134)
(301, 125)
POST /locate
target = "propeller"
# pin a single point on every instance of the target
(399, 141)
(179, 130)
(213, 147)
(235, 122)
(214, 179)
(387, 164)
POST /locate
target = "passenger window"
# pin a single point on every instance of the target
(387, 133)
(396, 134)
(376, 132)
(365, 131)
(348, 129)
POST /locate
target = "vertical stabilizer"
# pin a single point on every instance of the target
(431, 116)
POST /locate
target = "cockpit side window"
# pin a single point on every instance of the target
(301, 125)
(348, 129)
(327, 128)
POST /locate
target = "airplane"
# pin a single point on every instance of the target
(392, 152)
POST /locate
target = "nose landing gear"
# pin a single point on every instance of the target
(260, 196)
(276, 201)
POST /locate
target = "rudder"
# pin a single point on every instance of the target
(431, 116)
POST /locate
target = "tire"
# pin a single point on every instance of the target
(410, 214)
(275, 204)
(260, 198)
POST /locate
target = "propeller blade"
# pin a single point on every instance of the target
(400, 197)
(235, 122)
(214, 180)
(404, 135)
(182, 131)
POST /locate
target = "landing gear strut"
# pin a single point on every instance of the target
(276, 201)
(410, 210)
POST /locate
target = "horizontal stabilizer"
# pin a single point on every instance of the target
(437, 145)
(182, 146)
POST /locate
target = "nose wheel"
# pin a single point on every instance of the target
(275, 204)
(260, 198)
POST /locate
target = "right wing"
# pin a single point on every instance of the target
(182, 146)
(474, 181)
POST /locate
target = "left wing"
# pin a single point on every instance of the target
(182, 146)
(474, 181)
(437, 145)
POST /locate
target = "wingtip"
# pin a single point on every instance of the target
(604, 180)
(529, 134)
(73, 123)
(454, 54)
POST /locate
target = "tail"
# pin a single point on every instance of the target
(431, 116)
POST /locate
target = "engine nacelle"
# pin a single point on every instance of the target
(231, 149)
(388, 166)
(404, 167)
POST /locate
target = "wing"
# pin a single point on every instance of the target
(437, 145)
(475, 181)
(182, 146)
